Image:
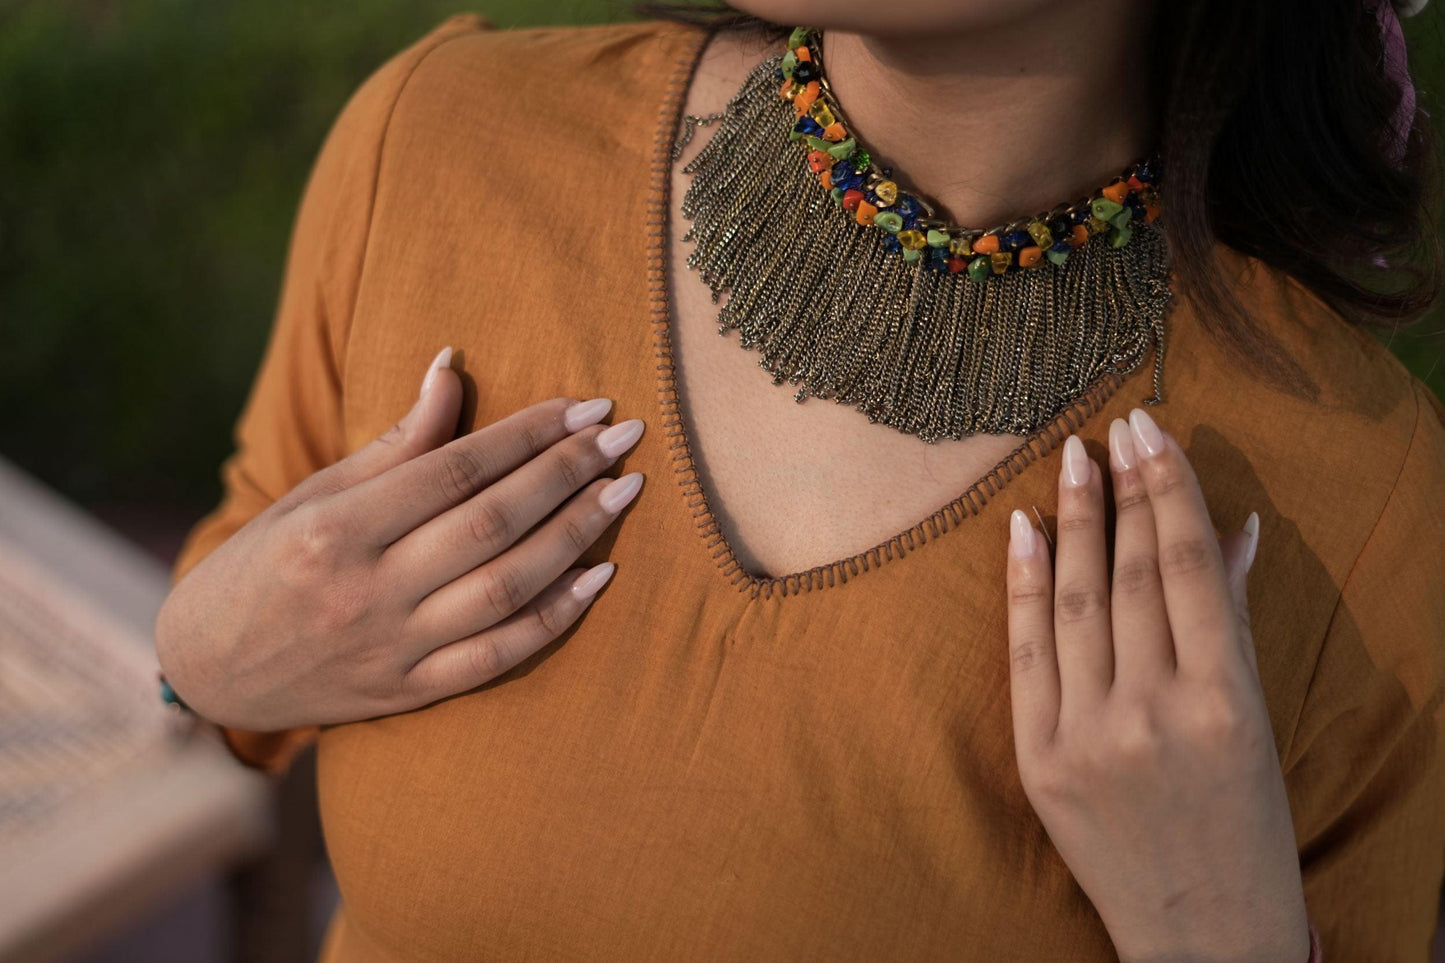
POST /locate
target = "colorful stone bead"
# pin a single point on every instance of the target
(937, 238)
(886, 192)
(822, 113)
(961, 246)
(805, 127)
(843, 149)
(805, 72)
(937, 259)
(1059, 253)
(956, 264)
(1014, 240)
(851, 200)
(804, 98)
(803, 52)
(1103, 208)
(912, 239)
(837, 194)
(788, 89)
(985, 244)
(890, 221)
(825, 177)
(1041, 234)
(819, 160)
(790, 61)
(817, 143)
(865, 212)
(980, 268)
(1078, 235)
(862, 160)
(1030, 256)
(798, 37)
(911, 255)
(1119, 236)
(1095, 225)
(1116, 192)
(1000, 260)
(1123, 219)
(834, 132)
(890, 243)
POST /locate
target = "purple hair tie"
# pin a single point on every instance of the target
(1398, 70)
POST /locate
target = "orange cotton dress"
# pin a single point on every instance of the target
(712, 766)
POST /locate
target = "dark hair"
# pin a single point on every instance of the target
(1276, 118)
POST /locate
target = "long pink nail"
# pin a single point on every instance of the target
(618, 492)
(1121, 446)
(620, 437)
(590, 582)
(442, 360)
(1076, 462)
(1146, 433)
(1021, 535)
(585, 413)
(1251, 528)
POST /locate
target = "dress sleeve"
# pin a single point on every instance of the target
(292, 423)
(1367, 779)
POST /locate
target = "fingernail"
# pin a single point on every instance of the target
(1021, 535)
(1146, 433)
(617, 439)
(438, 363)
(1251, 528)
(590, 582)
(585, 413)
(1121, 446)
(619, 492)
(1076, 462)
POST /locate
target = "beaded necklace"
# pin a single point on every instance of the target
(849, 284)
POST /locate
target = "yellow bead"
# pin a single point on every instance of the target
(1042, 236)
(912, 240)
(886, 192)
(1001, 260)
(961, 246)
(822, 113)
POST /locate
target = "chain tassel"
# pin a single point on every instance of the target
(926, 352)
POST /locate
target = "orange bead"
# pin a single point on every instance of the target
(819, 161)
(804, 98)
(1117, 191)
(1135, 184)
(865, 213)
(803, 53)
(787, 92)
(826, 176)
(1151, 211)
(1078, 235)
(1029, 256)
(834, 132)
(985, 244)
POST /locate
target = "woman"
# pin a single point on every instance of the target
(946, 745)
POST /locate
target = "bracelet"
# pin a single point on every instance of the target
(170, 696)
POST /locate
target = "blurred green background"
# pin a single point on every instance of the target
(152, 157)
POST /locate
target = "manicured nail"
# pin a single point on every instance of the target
(1021, 535)
(619, 492)
(1076, 462)
(590, 582)
(620, 437)
(585, 413)
(1121, 446)
(1251, 528)
(1146, 434)
(442, 360)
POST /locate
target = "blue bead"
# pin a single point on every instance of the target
(891, 243)
(1014, 240)
(778, 74)
(842, 170)
(938, 258)
(1137, 206)
(908, 206)
(1059, 226)
(1146, 173)
(807, 125)
(1081, 215)
(1062, 247)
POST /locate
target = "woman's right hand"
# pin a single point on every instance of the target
(413, 570)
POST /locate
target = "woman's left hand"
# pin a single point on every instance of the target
(1140, 726)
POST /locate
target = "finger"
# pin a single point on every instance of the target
(484, 526)
(488, 594)
(1033, 665)
(1191, 566)
(424, 487)
(1083, 638)
(477, 659)
(1238, 549)
(431, 421)
(1143, 645)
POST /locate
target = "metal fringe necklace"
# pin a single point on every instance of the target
(848, 284)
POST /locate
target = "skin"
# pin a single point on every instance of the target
(410, 571)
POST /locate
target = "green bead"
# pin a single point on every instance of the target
(1056, 257)
(1124, 218)
(1105, 209)
(860, 160)
(1119, 236)
(841, 150)
(910, 254)
(798, 37)
(980, 268)
(890, 221)
(795, 134)
(937, 238)
(837, 193)
(790, 60)
(818, 143)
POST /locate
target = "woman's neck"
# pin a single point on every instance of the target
(1004, 120)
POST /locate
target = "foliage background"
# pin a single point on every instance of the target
(152, 153)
